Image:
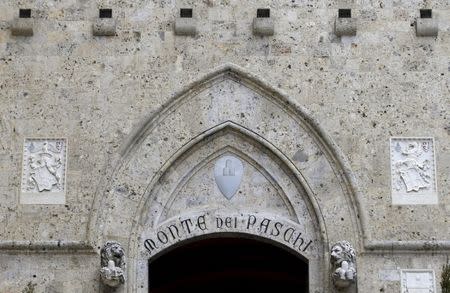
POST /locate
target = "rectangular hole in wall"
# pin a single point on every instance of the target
(425, 13)
(25, 13)
(263, 13)
(186, 12)
(345, 13)
(105, 13)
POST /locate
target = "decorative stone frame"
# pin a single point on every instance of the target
(399, 198)
(135, 189)
(46, 197)
(404, 284)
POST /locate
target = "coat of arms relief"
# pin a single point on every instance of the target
(44, 164)
(413, 171)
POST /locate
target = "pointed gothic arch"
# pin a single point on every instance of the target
(226, 101)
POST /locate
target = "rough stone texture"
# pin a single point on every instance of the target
(106, 96)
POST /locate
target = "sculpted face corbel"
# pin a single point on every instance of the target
(343, 260)
(113, 264)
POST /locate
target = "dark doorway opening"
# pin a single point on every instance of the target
(228, 265)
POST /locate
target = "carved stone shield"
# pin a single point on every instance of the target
(228, 174)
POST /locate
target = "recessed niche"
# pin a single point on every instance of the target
(24, 13)
(186, 12)
(263, 13)
(105, 13)
(425, 13)
(344, 13)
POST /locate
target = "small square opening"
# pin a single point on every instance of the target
(186, 12)
(24, 13)
(345, 13)
(263, 13)
(105, 13)
(425, 13)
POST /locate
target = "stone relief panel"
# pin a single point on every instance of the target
(43, 172)
(418, 281)
(413, 171)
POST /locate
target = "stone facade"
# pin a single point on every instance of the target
(145, 117)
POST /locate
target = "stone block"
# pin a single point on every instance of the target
(185, 26)
(345, 26)
(263, 26)
(22, 27)
(104, 27)
(427, 27)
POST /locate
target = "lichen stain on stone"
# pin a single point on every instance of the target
(29, 288)
(300, 156)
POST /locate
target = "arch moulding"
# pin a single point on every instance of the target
(295, 190)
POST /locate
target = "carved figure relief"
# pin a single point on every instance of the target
(418, 281)
(343, 259)
(228, 173)
(113, 264)
(44, 162)
(412, 167)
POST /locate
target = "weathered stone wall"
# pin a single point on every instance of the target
(96, 91)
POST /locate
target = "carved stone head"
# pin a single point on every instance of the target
(112, 250)
(342, 251)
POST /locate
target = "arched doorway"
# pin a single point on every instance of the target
(228, 264)
(295, 185)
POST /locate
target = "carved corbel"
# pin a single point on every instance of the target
(345, 24)
(343, 260)
(113, 264)
(427, 25)
(23, 25)
(263, 24)
(185, 24)
(105, 25)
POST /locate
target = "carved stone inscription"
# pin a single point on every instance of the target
(413, 171)
(43, 174)
(185, 228)
(418, 281)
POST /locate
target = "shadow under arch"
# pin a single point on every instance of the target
(228, 262)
